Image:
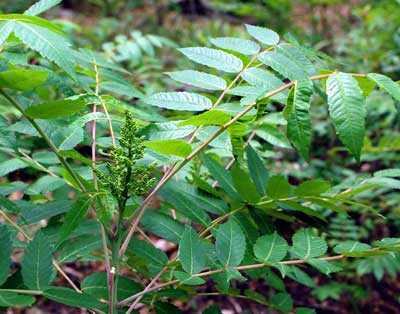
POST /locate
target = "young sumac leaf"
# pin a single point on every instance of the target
(230, 244)
(213, 58)
(347, 110)
(5, 253)
(271, 248)
(243, 46)
(306, 245)
(191, 252)
(262, 34)
(36, 264)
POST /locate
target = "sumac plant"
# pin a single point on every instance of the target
(109, 170)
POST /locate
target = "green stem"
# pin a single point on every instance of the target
(45, 138)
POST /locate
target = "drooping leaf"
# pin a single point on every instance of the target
(73, 217)
(262, 34)
(211, 117)
(243, 184)
(213, 58)
(306, 245)
(278, 187)
(179, 101)
(299, 122)
(230, 244)
(257, 170)
(11, 299)
(5, 253)
(72, 298)
(22, 79)
(243, 46)
(270, 248)
(387, 84)
(198, 79)
(56, 108)
(170, 147)
(37, 265)
(191, 252)
(324, 266)
(41, 6)
(312, 188)
(223, 176)
(347, 110)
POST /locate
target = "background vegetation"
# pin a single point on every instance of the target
(140, 39)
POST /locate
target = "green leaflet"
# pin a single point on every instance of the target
(74, 217)
(5, 253)
(11, 299)
(347, 110)
(223, 176)
(266, 80)
(283, 65)
(36, 264)
(298, 56)
(212, 310)
(41, 6)
(56, 108)
(191, 252)
(244, 185)
(6, 29)
(278, 187)
(312, 188)
(387, 84)
(306, 245)
(72, 298)
(22, 79)
(122, 89)
(324, 266)
(163, 226)
(393, 172)
(78, 248)
(257, 170)
(186, 204)
(198, 79)
(243, 46)
(352, 248)
(213, 58)
(153, 258)
(187, 279)
(262, 34)
(299, 122)
(270, 248)
(167, 130)
(282, 301)
(179, 101)
(230, 244)
(49, 44)
(166, 308)
(8, 205)
(96, 286)
(273, 136)
(170, 147)
(212, 117)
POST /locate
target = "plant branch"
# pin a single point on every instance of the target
(173, 171)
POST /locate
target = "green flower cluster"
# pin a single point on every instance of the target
(125, 177)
